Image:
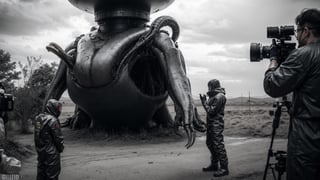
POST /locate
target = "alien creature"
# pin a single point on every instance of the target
(121, 73)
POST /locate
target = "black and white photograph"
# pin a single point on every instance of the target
(159, 90)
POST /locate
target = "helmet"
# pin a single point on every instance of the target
(213, 84)
(54, 107)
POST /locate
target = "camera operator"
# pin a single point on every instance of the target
(3, 113)
(300, 73)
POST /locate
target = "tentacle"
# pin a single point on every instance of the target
(80, 119)
(178, 119)
(198, 124)
(59, 82)
(161, 22)
(178, 83)
(148, 38)
(191, 135)
(57, 50)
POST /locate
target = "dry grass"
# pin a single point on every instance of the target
(240, 118)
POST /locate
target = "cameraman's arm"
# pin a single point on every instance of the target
(281, 80)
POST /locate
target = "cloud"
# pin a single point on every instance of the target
(215, 34)
(30, 1)
(238, 77)
(232, 21)
(19, 52)
(3, 41)
(30, 17)
(236, 51)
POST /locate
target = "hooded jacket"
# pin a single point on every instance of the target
(216, 103)
(48, 136)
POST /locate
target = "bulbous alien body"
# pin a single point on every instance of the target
(128, 100)
(121, 73)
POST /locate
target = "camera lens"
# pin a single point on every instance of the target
(255, 52)
(286, 30)
(283, 32)
(273, 32)
(258, 52)
(265, 51)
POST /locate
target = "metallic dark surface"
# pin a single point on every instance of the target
(89, 5)
(121, 73)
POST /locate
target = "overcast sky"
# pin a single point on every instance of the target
(215, 34)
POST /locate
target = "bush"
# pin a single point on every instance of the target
(30, 97)
(27, 105)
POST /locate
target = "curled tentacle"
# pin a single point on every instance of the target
(178, 84)
(178, 120)
(162, 22)
(198, 124)
(57, 50)
(148, 38)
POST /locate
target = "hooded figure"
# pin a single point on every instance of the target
(214, 107)
(49, 141)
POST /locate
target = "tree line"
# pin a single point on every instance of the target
(28, 82)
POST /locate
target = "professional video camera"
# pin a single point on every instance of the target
(280, 35)
(6, 102)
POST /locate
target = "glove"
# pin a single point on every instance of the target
(274, 51)
(203, 98)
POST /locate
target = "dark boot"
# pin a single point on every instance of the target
(211, 167)
(223, 171)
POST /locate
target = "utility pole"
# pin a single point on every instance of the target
(241, 101)
(249, 101)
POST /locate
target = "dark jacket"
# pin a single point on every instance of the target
(48, 136)
(215, 104)
(300, 73)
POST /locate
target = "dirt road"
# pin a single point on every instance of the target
(139, 160)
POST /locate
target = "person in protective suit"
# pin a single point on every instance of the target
(49, 141)
(214, 107)
(3, 114)
(300, 73)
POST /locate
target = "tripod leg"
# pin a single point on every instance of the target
(279, 175)
(274, 174)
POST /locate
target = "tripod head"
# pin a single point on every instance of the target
(280, 106)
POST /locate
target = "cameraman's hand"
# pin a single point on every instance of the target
(274, 51)
(274, 55)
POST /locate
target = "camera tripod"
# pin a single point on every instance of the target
(280, 156)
